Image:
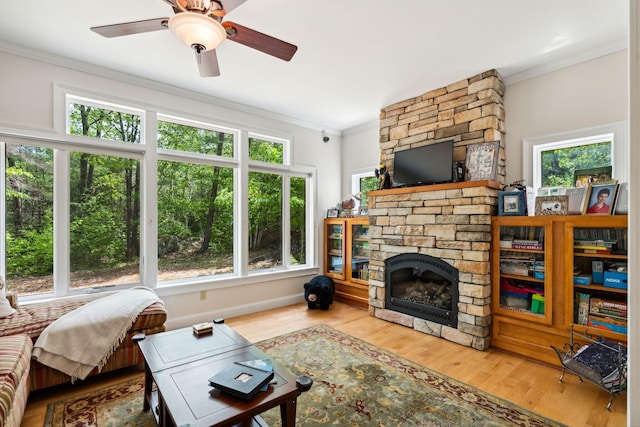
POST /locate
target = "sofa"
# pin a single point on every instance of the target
(19, 374)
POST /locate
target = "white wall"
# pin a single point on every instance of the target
(27, 108)
(585, 95)
(360, 152)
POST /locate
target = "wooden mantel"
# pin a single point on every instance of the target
(436, 187)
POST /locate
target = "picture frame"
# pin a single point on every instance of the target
(621, 205)
(482, 161)
(363, 211)
(584, 177)
(600, 197)
(552, 205)
(332, 213)
(576, 200)
(511, 203)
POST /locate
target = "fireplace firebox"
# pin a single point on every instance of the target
(422, 286)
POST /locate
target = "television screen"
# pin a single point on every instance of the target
(428, 164)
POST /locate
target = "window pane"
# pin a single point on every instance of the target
(369, 183)
(105, 220)
(265, 220)
(195, 220)
(266, 151)
(297, 211)
(195, 140)
(29, 219)
(103, 123)
(559, 165)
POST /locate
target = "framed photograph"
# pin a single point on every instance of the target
(600, 197)
(332, 213)
(584, 177)
(482, 161)
(363, 211)
(511, 203)
(552, 205)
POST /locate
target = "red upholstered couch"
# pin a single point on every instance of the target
(31, 319)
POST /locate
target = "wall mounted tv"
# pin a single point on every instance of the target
(429, 164)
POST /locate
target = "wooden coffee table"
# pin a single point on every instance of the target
(180, 364)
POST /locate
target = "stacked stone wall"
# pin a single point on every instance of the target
(450, 224)
(453, 224)
(468, 112)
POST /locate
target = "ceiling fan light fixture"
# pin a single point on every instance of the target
(195, 29)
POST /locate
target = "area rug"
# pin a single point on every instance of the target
(355, 384)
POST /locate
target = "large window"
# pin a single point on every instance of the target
(113, 203)
(195, 200)
(551, 160)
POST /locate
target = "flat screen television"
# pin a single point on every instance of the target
(429, 164)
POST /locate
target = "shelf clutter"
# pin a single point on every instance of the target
(599, 361)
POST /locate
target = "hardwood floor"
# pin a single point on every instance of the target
(529, 384)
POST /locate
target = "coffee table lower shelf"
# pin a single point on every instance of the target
(154, 405)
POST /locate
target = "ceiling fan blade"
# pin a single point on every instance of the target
(259, 41)
(135, 27)
(229, 5)
(208, 63)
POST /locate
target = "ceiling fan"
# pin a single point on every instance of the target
(198, 24)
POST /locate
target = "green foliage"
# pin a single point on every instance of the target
(559, 165)
(367, 184)
(31, 253)
(298, 220)
(266, 151)
(265, 210)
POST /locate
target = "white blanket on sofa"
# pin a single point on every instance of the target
(87, 336)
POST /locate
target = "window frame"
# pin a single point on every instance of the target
(148, 153)
(532, 149)
(356, 176)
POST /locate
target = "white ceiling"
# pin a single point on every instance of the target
(354, 56)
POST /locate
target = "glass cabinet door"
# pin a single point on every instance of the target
(334, 247)
(360, 251)
(523, 269)
(599, 275)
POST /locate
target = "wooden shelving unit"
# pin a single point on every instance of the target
(346, 258)
(516, 326)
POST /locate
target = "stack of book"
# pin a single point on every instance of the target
(599, 246)
(521, 265)
(608, 315)
(511, 243)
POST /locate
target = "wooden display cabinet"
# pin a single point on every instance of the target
(346, 258)
(520, 323)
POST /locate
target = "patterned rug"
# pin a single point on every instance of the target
(355, 384)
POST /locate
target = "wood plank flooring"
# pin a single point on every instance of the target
(529, 384)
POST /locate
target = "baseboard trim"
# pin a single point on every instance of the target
(235, 311)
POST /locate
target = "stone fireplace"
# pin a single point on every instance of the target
(449, 223)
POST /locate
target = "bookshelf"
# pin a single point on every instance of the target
(539, 280)
(347, 258)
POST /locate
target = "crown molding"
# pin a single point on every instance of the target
(568, 61)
